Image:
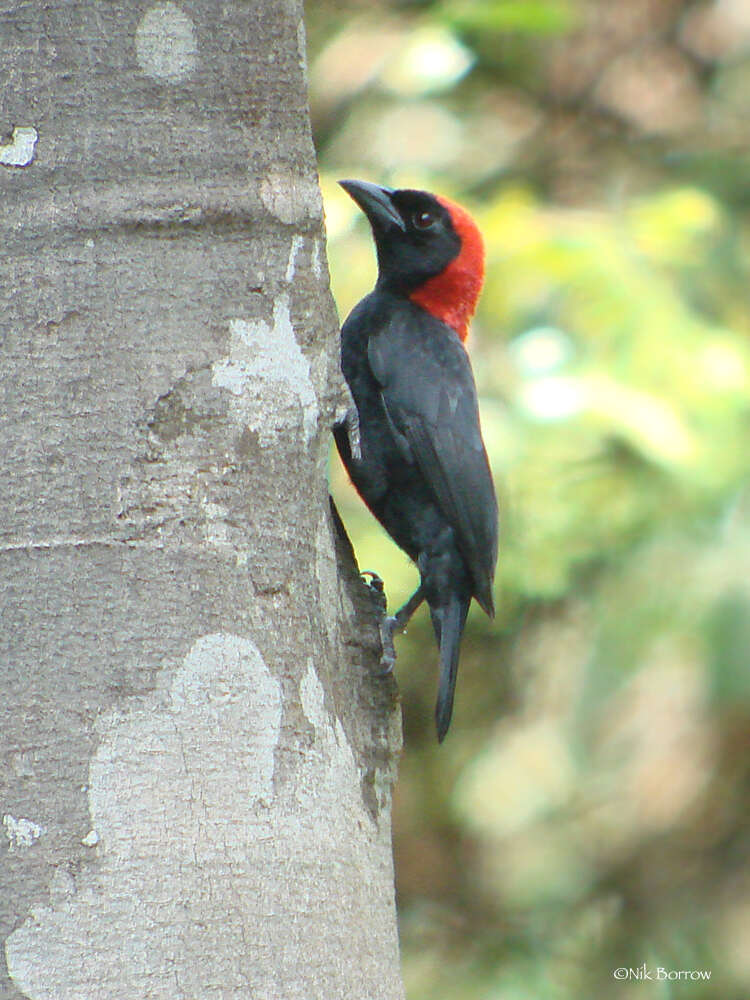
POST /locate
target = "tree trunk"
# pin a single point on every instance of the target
(197, 760)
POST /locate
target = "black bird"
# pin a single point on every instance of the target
(421, 466)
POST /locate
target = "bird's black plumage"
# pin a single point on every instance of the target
(423, 469)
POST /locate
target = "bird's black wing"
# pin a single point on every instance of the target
(429, 395)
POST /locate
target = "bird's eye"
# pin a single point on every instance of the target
(423, 220)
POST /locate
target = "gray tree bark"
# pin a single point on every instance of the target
(196, 759)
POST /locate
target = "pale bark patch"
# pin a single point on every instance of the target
(158, 786)
(19, 152)
(292, 198)
(269, 375)
(21, 832)
(165, 43)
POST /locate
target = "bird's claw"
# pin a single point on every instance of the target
(375, 582)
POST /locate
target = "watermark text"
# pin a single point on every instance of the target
(660, 973)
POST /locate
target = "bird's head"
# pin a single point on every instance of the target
(429, 249)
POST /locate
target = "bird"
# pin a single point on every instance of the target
(420, 463)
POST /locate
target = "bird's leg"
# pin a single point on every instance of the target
(377, 588)
(403, 615)
(389, 625)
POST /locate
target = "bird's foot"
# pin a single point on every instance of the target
(387, 625)
(388, 628)
(347, 416)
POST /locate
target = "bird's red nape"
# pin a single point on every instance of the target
(452, 295)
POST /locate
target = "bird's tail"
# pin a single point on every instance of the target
(449, 624)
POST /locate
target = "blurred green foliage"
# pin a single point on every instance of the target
(531, 17)
(589, 809)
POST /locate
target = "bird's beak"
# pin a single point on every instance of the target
(376, 203)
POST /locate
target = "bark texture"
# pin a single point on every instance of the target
(196, 758)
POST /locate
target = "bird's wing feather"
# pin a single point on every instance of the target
(429, 395)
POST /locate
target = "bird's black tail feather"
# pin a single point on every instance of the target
(449, 626)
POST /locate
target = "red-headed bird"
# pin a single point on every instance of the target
(421, 466)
